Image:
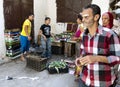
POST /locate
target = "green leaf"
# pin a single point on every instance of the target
(57, 69)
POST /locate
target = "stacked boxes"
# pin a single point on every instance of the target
(12, 40)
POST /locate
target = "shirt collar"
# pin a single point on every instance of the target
(98, 31)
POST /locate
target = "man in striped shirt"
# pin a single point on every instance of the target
(100, 51)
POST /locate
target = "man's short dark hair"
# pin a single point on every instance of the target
(80, 17)
(47, 18)
(30, 14)
(96, 9)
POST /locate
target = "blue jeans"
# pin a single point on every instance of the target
(46, 46)
(25, 44)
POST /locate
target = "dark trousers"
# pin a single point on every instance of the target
(82, 84)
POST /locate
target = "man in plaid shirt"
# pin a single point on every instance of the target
(100, 51)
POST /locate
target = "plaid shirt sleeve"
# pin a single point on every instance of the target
(114, 50)
(82, 52)
(81, 49)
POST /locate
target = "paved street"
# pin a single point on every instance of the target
(25, 77)
(17, 69)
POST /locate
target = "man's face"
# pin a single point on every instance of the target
(105, 20)
(88, 18)
(79, 21)
(31, 17)
(47, 21)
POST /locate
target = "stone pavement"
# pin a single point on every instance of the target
(18, 69)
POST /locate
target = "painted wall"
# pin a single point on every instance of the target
(104, 5)
(60, 27)
(43, 8)
(51, 12)
(40, 11)
(2, 41)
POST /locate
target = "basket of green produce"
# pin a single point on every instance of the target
(57, 67)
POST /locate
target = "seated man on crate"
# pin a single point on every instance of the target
(100, 51)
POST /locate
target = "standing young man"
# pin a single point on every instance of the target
(25, 35)
(45, 32)
(100, 51)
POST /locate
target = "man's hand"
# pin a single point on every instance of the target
(45, 38)
(29, 38)
(85, 60)
(88, 60)
(74, 38)
(77, 62)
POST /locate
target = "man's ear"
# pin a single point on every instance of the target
(96, 18)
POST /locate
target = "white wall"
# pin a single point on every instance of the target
(40, 11)
(44, 8)
(103, 4)
(2, 41)
(52, 12)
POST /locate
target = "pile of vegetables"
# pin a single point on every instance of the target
(57, 65)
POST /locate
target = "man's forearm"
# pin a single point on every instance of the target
(41, 34)
(26, 31)
(102, 59)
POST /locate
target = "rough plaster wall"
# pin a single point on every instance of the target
(44, 8)
(2, 27)
(104, 5)
(58, 27)
(40, 10)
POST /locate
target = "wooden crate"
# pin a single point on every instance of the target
(36, 63)
(57, 48)
(69, 50)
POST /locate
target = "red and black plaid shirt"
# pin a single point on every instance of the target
(104, 43)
